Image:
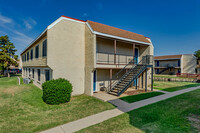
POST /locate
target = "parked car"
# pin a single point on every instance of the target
(13, 71)
(16, 71)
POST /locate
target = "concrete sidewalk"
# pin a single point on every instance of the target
(121, 108)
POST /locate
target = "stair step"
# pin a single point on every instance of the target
(124, 82)
(121, 85)
(112, 93)
(118, 88)
(115, 91)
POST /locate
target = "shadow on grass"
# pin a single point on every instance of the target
(170, 115)
(139, 97)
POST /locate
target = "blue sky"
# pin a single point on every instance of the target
(173, 25)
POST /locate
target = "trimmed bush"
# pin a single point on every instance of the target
(57, 91)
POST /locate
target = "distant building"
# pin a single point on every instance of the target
(173, 64)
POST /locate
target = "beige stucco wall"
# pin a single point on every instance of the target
(145, 50)
(105, 45)
(66, 53)
(90, 60)
(41, 61)
(189, 64)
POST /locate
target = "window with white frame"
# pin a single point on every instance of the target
(44, 48)
(38, 73)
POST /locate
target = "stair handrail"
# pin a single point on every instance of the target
(120, 92)
(132, 62)
(146, 60)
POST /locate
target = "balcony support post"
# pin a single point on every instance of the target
(152, 78)
(115, 50)
(110, 79)
(142, 79)
(146, 80)
(136, 81)
(133, 52)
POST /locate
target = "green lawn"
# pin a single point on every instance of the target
(173, 86)
(142, 96)
(22, 108)
(168, 116)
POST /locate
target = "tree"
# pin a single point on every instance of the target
(197, 54)
(7, 53)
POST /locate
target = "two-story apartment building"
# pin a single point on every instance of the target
(173, 64)
(89, 55)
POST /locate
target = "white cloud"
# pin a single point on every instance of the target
(84, 15)
(29, 23)
(5, 19)
(24, 39)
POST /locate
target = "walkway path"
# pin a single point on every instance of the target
(121, 108)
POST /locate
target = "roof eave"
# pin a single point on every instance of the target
(120, 38)
(34, 41)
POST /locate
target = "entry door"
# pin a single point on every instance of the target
(94, 81)
(136, 55)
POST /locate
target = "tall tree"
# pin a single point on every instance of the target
(7, 53)
(197, 54)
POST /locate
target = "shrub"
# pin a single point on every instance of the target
(57, 91)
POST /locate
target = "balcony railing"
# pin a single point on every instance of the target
(110, 58)
(168, 65)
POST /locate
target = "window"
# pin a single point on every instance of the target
(47, 75)
(37, 51)
(27, 56)
(44, 48)
(157, 63)
(38, 72)
(179, 63)
(31, 54)
(33, 73)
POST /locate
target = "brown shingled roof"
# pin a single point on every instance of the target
(167, 57)
(116, 31)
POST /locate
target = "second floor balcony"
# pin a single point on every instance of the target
(111, 58)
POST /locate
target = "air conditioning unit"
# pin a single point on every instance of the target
(26, 80)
